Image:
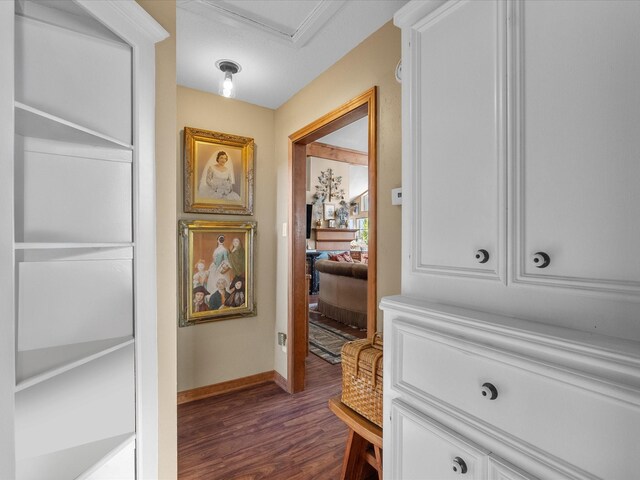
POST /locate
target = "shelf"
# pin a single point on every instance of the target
(68, 199)
(35, 366)
(73, 302)
(119, 463)
(92, 401)
(78, 462)
(64, 245)
(32, 122)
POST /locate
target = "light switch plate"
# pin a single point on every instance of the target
(396, 196)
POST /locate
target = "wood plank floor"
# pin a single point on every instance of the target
(264, 433)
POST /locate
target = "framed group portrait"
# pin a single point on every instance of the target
(218, 172)
(216, 271)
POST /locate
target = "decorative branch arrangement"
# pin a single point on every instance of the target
(329, 187)
(328, 190)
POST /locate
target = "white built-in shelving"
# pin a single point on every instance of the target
(38, 365)
(48, 246)
(79, 257)
(82, 462)
(35, 123)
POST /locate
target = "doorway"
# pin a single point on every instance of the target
(362, 106)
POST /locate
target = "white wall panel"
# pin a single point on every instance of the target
(89, 403)
(73, 199)
(73, 76)
(72, 302)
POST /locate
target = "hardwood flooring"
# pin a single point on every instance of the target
(265, 433)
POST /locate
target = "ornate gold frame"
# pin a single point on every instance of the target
(200, 149)
(199, 240)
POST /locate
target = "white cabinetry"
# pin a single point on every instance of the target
(78, 241)
(576, 143)
(520, 123)
(520, 138)
(510, 399)
(459, 132)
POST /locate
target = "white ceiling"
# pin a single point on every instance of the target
(281, 45)
(354, 136)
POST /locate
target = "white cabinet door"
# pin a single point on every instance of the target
(576, 126)
(457, 96)
(424, 449)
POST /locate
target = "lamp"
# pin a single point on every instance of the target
(229, 68)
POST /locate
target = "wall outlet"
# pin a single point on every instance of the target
(282, 339)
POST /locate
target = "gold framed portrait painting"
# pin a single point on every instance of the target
(218, 172)
(216, 271)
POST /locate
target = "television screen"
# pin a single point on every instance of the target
(309, 212)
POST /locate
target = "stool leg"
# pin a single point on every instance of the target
(378, 453)
(354, 464)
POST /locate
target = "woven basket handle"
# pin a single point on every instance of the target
(358, 351)
(376, 358)
(376, 341)
(374, 368)
(372, 343)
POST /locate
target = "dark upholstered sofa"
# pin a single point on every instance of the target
(343, 292)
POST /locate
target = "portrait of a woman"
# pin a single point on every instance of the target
(218, 179)
(218, 172)
(220, 267)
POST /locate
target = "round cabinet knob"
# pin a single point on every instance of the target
(541, 260)
(482, 256)
(459, 466)
(489, 391)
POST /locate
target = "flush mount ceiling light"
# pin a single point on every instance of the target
(229, 68)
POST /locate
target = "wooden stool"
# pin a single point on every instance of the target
(363, 453)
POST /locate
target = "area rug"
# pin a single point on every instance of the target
(326, 342)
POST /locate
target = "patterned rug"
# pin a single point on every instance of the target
(326, 342)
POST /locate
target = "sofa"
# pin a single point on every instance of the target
(343, 292)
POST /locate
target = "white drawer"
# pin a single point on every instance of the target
(426, 450)
(538, 403)
(499, 469)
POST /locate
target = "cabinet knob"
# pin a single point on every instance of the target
(482, 256)
(541, 260)
(489, 391)
(459, 466)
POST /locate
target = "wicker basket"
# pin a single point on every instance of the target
(362, 377)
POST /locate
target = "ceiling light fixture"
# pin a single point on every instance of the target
(229, 68)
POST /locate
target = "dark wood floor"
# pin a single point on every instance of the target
(265, 433)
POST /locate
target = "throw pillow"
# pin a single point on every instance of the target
(364, 258)
(341, 257)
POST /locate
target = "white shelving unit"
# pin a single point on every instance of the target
(78, 251)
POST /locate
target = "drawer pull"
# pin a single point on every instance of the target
(459, 466)
(541, 260)
(489, 391)
(482, 256)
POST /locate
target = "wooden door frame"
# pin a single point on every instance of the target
(355, 109)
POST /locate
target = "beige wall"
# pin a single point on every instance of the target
(371, 63)
(226, 350)
(164, 11)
